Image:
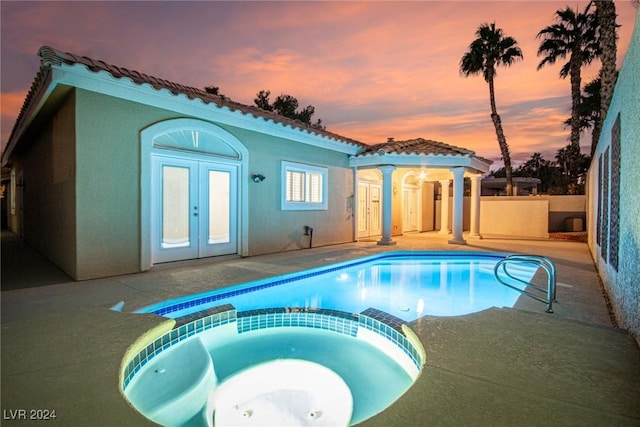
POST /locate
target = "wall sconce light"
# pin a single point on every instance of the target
(258, 177)
(395, 188)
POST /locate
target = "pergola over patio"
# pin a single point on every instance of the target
(442, 162)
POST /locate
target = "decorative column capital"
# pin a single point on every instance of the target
(458, 171)
(387, 168)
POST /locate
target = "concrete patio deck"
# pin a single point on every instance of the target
(62, 346)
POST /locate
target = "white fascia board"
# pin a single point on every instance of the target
(420, 160)
(80, 76)
(411, 160)
(480, 166)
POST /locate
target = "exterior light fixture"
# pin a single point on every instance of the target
(258, 177)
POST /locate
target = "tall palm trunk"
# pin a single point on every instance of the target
(575, 65)
(606, 14)
(502, 141)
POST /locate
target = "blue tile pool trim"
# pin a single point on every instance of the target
(330, 320)
(209, 297)
(392, 333)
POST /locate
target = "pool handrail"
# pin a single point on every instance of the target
(539, 260)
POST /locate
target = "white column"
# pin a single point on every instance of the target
(475, 207)
(354, 205)
(458, 205)
(387, 196)
(444, 206)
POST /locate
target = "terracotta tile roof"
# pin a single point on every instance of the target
(415, 146)
(51, 56)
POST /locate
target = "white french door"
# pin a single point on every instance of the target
(194, 208)
(410, 209)
(369, 209)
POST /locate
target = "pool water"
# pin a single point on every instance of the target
(406, 286)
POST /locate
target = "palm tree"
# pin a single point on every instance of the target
(573, 35)
(589, 111)
(606, 17)
(487, 52)
(573, 165)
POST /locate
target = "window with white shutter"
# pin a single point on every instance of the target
(304, 187)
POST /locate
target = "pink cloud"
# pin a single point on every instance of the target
(371, 69)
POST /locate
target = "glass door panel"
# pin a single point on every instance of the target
(375, 209)
(363, 210)
(175, 207)
(219, 207)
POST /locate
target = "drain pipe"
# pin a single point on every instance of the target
(308, 231)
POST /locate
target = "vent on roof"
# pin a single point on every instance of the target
(390, 139)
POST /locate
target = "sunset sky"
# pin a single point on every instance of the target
(372, 70)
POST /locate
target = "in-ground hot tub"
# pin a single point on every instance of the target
(298, 367)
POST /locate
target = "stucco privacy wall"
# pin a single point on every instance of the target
(562, 208)
(514, 216)
(623, 283)
(274, 230)
(45, 210)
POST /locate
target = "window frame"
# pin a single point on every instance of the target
(307, 171)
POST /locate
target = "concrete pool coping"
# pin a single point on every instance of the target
(62, 346)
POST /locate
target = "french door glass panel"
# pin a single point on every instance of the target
(375, 210)
(175, 207)
(363, 209)
(219, 207)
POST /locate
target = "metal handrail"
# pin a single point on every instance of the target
(538, 260)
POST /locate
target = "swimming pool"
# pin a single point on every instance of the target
(406, 285)
(224, 338)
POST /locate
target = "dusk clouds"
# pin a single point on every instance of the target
(371, 69)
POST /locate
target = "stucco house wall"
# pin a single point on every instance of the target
(45, 211)
(108, 183)
(614, 240)
(272, 229)
(84, 171)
